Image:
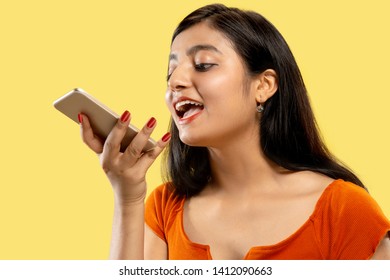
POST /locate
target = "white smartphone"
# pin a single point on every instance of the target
(102, 119)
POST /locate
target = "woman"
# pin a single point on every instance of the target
(248, 175)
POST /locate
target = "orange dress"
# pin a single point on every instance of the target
(346, 223)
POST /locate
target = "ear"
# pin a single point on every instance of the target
(266, 86)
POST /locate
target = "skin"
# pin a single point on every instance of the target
(126, 173)
(246, 186)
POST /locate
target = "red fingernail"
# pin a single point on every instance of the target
(125, 116)
(151, 122)
(80, 117)
(166, 137)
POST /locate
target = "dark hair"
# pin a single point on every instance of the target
(288, 131)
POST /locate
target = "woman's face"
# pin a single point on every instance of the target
(209, 96)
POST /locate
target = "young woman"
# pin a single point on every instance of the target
(248, 174)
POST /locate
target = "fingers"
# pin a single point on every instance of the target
(113, 142)
(135, 149)
(109, 149)
(89, 138)
(149, 157)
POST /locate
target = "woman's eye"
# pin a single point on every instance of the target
(202, 67)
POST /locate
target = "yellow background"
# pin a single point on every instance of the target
(55, 203)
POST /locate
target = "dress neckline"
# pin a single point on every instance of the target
(281, 243)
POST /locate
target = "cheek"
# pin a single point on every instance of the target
(222, 90)
(219, 82)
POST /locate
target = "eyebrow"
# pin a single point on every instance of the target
(193, 50)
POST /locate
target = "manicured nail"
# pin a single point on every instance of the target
(125, 116)
(80, 117)
(151, 122)
(166, 137)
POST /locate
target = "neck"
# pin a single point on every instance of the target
(241, 165)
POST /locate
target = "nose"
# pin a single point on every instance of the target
(179, 79)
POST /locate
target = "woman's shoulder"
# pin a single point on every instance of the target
(161, 208)
(349, 222)
(347, 192)
(164, 196)
(345, 200)
(325, 188)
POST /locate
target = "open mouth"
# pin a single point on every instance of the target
(187, 108)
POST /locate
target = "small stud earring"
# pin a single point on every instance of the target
(260, 108)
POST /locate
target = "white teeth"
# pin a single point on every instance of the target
(180, 104)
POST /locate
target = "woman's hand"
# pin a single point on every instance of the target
(126, 171)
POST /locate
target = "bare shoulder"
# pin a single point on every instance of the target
(308, 183)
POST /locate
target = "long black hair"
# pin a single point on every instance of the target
(289, 134)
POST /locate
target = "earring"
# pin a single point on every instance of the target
(260, 108)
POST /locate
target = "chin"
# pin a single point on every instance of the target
(192, 141)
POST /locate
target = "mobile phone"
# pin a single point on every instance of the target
(101, 117)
